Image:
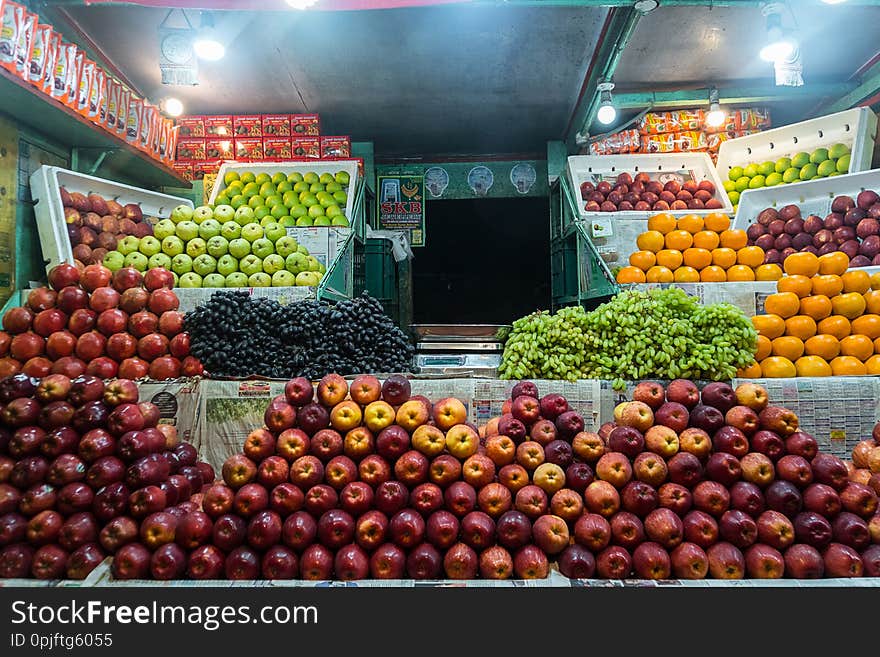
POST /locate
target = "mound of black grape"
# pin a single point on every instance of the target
(236, 335)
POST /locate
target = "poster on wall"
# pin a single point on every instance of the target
(436, 180)
(480, 179)
(401, 205)
(523, 176)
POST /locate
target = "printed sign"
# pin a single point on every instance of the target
(480, 180)
(436, 180)
(523, 176)
(401, 205)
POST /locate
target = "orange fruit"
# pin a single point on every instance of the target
(740, 273)
(872, 301)
(873, 365)
(823, 345)
(849, 304)
(765, 346)
(697, 258)
(691, 223)
(770, 326)
(828, 284)
(650, 240)
(805, 264)
(875, 280)
(800, 285)
(669, 258)
(628, 275)
(658, 274)
(686, 275)
(856, 280)
(812, 366)
(848, 366)
(734, 239)
(662, 223)
(717, 221)
(784, 304)
(644, 260)
(778, 367)
(877, 345)
(753, 371)
(788, 347)
(768, 272)
(706, 239)
(867, 325)
(817, 306)
(857, 346)
(724, 258)
(752, 256)
(679, 239)
(800, 326)
(836, 325)
(713, 274)
(833, 263)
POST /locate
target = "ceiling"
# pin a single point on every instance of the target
(459, 79)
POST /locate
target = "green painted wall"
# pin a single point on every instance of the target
(458, 187)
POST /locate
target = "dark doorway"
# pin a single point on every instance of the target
(487, 261)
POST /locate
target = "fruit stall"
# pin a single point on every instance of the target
(277, 323)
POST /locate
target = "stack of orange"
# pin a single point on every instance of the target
(824, 320)
(695, 249)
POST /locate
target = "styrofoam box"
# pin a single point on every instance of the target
(857, 128)
(190, 297)
(45, 191)
(692, 165)
(748, 296)
(322, 242)
(317, 166)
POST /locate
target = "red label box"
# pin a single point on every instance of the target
(249, 148)
(191, 126)
(336, 146)
(306, 147)
(277, 148)
(276, 125)
(250, 125)
(184, 170)
(222, 149)
(305, 124)
(218, 126)
(202, 169)
(190, 150)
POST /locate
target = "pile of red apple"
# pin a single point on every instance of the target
(852, 227)
(642, 194)
(95, 225)
(85, 471)
(101, 323)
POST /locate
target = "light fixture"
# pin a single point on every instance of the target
(606, 113)
(833, 2)
(646, 6)
(779, 45)
(301, 4)
(716, 116)
(172, 107)
(208, 45)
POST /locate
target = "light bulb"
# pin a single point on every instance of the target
(301, 4)
(716, 116)
(173, 107)
(606, 113)
(207, 47)
(777, 50)
(833, 2)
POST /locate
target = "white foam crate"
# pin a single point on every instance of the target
(302, 166)
(191, 297)
(51, 227)
(857, 128)
(662, 166)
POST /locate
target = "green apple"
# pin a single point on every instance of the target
(235, 187)
(223, 199)
(262, 178)
(204, 265)
(843, 163)
(283, 278)
(251, 189)
(239, 248)
(230, 177)
(333, 187)
(164, 228)
(196, 247)
(316, 211)
(230, 230)
(254, 202)
(302, 249)
(236, 279)
(311, 177)
(260, 279)
(314, 188)
(766, 168)
(342, 222)
(342, 177)
(268, 220)
(818, 156)
(757, 182)
(278, 178)
(137, 260)
(247, 177)
(200, 214)
(187, 230)
(149, 246)
(323, 221)
(244, 215)
(252, 232)
(237, 201)
(729, 185)
(733, 196)
(159, 260)
(285, 246)
(261, 212)
(308, 199)
(773, 179)
(172, 245)
(300, 187)
(826, 168)
(210, 228)
(274, 232)
(214, 280)
(791, 175)
(799, 160)
(340, 197)
(321, 268)
(333, 210)
(305, 221)
(176, 279)
(326, 178)
(218, 246)
(272, 263)
(267, 188)
(262, 247)
(181, 213)
(314, 265)
(278, 211)
(128, 244)
(308, 279)
(296, 262)
(114, 260)
(294, 177)
(250, 264)
(224, 213)
(782, 164)
(181, 264)
(751, 171)
(735, 173)
(226, 264)
(808, 171)
(287, 221)
(289, 199)
(190, 279)
(837, 151)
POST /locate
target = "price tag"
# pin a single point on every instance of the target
(601, 227)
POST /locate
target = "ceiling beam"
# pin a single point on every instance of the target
(728, 96)
(868, 85)
(325, 5)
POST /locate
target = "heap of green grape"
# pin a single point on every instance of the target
(663, 334)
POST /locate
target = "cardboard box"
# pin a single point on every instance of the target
(305, 125)
(336, 146)
(191, 126)
(190, 149)
(184, 170)
(277, 148)
(217, 148)
(276, 125)
(247, 125)
(218, 126)
(249, 148)
(205, 168)
(309, 147)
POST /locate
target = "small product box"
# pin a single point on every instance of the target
(39, 58)
(309, 147)
(336, 146)
(190, 149)
(248, 125)
(276, 125)
(305, 124)
(191, 126)
(206, 168)
(277, 148)
(249, 148)
(218, 126)
(217, 148)
(184, 170)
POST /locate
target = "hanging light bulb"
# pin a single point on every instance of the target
(301, 4)
(606, 112)
(208, 45)
(172, 107)
(779, 45)
(716, 116)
